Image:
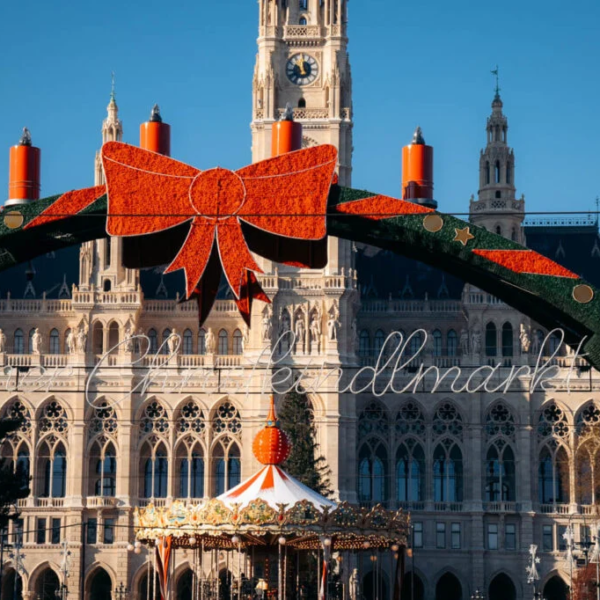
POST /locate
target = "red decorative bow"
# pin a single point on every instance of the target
(149, 193)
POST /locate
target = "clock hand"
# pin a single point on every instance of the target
(301, 65)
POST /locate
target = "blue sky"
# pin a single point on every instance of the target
(414, 63)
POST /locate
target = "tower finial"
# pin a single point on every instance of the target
(112, 87)
(496, 72)
(25, 138)
(418, 136)
(288, 113)
(155, 114)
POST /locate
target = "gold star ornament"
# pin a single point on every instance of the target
(463, 236)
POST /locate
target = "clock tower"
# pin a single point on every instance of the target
(303, 60)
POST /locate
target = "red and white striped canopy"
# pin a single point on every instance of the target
(273, 486)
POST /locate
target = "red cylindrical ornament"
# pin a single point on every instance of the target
(24, 171)
(156, 135)
(287, 134)
(417, 171)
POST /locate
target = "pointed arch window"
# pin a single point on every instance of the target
(491, 342)
(447, 472)
(103, 466)
(188, 342)
(227, 468)
(553, 475)
(500, 473)
(416, 341)
(238, 342)
(508, 171)
(364, 344)
(497, 171)
(452, 343)
(437, 343)
(164, 347)
(587, 464)
(30, 342)
(202, 342)
(156, 471)
(507, 340)
(303, 21)
(19, 346)
(303, 4)
(191, 472)
(410, 473)
(53, 470)
(378, 342)
(223, 343)
(54, 342)
(487, 172)
(372, 474)
(153, 337)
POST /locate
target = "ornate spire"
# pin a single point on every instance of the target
(271, 445)
(25, 138)
(155, 114)
(496, 72)
(418, 137)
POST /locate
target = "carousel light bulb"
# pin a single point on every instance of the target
(138, 551)
(235, 539)
(138, 544)
(373, 558)
(130, 547)
(193, 541)
(327, 542)
(282, 541)
(366, 545)
(395, 547)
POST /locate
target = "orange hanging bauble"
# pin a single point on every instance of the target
(271, 445)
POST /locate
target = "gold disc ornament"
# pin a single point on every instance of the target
(433, 223)
(583, 294)
(13, 219)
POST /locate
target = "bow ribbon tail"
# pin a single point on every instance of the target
(235, 254)
(195, 253)
(249, 291)
(206, 292)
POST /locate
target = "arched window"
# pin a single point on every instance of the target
(487, 172)
(373, 420)
(452, 343)
(497, 171)
(107, 285)
(553, 476)
(191, 473)
(447, 472)
(156, 471)
(19, 346)
(410, 473)
(202, 342)
(113, 335)
(223, 342)
(554, 342)
(500, 473)
(490, 340)
(508, 174)
(98, 338)
(416, 341)
(507, 340)
(303, 4)
(53, 470)
(498, 230)
(238, 342)
(23, 465)
(513, 235)
(372, 474)
(303, 21)
(498, 194)
(54, 342)
(302, 103)
(30, 344)
(188, 342)
(587, 464)
(104, 463)
(502, 588)
(153, 337)
(437, 342)
(364, 344)
(164, 347)
(227, 468)
(378, 342)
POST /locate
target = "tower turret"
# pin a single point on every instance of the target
(497, 208)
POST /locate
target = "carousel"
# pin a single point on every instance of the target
(273, 537)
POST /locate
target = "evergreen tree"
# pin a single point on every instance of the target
(304, 462)
(14, 484)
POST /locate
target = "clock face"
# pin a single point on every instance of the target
(302, 69)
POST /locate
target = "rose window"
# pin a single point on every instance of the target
(154, 419)
(191, 419)
(447, 420)
(552, 423)
(373, 420)
(500, 421)
(104, 419)
(410, 420)
(227, 419)
(54, 418)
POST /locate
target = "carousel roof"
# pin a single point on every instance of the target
(274, 486)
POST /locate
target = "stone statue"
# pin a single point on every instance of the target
(128, 345)
(299, 331)
(315, 327)
(2, 341)
(210, 341)
(36, 342)
(525, 340)
(245, 338)
(354, 585)
(464, 342)
(284, 323)
(333, 324)
(71, 342)
(173, 342)
(476, 342)
(267, 324)
(82, 338)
